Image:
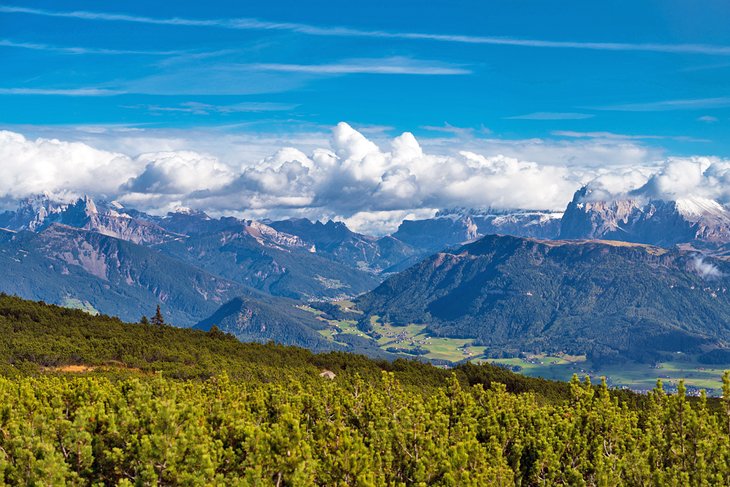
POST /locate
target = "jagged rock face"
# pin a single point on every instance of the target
(519, 223)
(643, 220)
(291, 271)
(455, 226)
(114, 276)
(336, 241)
(324, 235)
(35, 214)
(197, 224)
(247, 252)
(267, 235)
(436, 233)
(32, 213)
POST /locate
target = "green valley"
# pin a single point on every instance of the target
(414, 340)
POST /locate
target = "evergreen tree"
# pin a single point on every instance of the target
(158, 319)
(144, 320)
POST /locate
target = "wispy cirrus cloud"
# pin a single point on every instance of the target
(256, 24)
(615, 136)
(229, 78)
(82, 50)
(551, 116)
(392, 65)
(447, 128)
(226, 79)
(61, 91)
(198, 108)
(667, 105)
(707, 119)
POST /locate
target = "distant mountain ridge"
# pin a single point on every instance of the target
(638, 218)
(124, 262)
(459, 225)
(334, 239)
(610, 300)
(62, 264)
(35, 214)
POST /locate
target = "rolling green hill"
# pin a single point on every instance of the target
(37, 337)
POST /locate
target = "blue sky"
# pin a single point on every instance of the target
(235, 107)
(656, 71)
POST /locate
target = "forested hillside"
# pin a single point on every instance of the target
(92, 400)
(613, 301)
(37, 338)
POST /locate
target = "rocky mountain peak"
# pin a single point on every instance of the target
(639, 218)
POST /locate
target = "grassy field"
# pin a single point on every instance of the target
(415, 336)
(561, 367)
(408, 337)
(555, 367)
(634, 376)
(642, 376)
(74, 303)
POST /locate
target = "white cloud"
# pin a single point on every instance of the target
(68, 169)
(370, 185)
(199, 108)
(354, 176)
(587, 154)
(256, 24)
(707, 119)
(666, 105)
(552, 116)
(679, 177)
(35, 166)
(674, 178)
(178, 173)
(60, 91)
(383, 222)
(615, 136)
(82, 50)
(612, 184)
(705, 269)
(392, 65)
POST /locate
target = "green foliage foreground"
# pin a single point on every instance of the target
(92, 430)
(159, 405)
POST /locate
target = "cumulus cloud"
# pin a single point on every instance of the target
(35, 166)
(69, 169)
(382, 222)
(672, 179)
(706, 270)
(370, 185)
(679, 177)
(178, 172)
(618, 183)
(355, 175)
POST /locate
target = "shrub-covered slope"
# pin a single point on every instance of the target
(264, 416)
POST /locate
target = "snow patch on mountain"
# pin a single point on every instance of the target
(694, 206)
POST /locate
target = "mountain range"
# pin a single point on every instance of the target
(638, 218)
(72, 266)
(611, 278)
